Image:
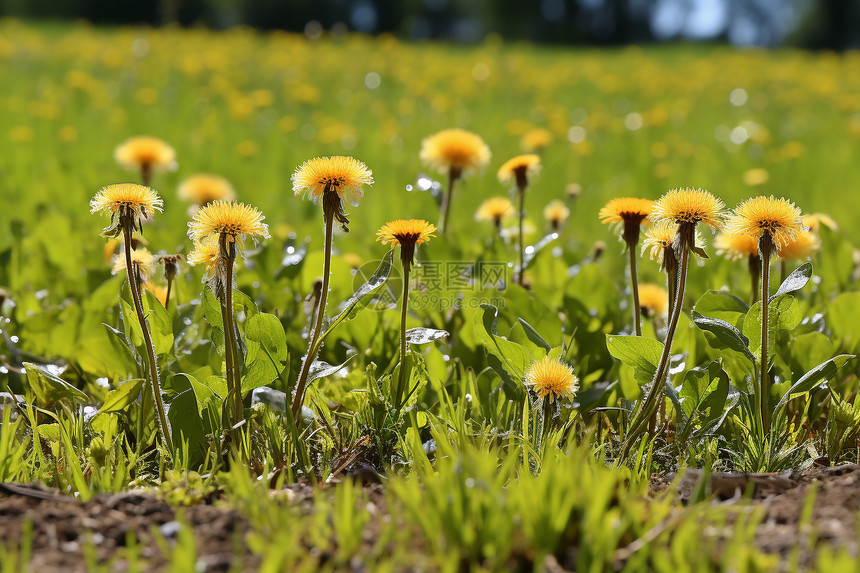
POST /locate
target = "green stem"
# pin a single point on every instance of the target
(453, 175)
(313, 347)
(766, 247)
(634, 280)
(522, 196)
(230, 331)
(161, 418)
(783, 271)
(640, 419)
(755, 275)
(404, 304)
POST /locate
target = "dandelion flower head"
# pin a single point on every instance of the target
(235, 220)
(814, 221)
(689, 206)
(626, 210)
(204, 188)
(778, 218)
(552, 378)
(653, 300)
(520, 169)
(125, 200)
(556, 212)
(455, 151)
(342, 175)
(802, 247)
(145, 151)
(494, 209)
(736, 246)
(141, 259)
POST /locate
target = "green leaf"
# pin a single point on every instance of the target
(424, 335)
(205, 396)
(320, 369)
(824, 371)
(121, 398)
(266, 351)
(510, 357)
(359, 299)
(795, 281)
(723, 306)
(48, 388)
(642, 354)
(783, 314)
(160, 324)
(843, 318)
(704, 392)
(533, 335)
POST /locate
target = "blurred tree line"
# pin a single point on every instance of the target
(817, 24)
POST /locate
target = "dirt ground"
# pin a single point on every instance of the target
(62, 526)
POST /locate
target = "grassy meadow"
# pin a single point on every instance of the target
(471, 448)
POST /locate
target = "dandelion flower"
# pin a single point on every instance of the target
(536, 139)
(631, 212)
(803, 247)
(814, 221)
(572, 191)
(653, 300)
(147, 154)
(141, 259)
(552, 378)
(520, 170)
(204, 188)
(660, 238)
(407, 234)
(159, 291)
(455, 151)
(494, 209)
(338, 179)
(556, 213)
(127, 202)
(235, 220)
(736, 246)
(689, 206)
(778, 218)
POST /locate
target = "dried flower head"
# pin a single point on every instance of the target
(777, 218)
(814, 221)
(455, 151)
(407, 234)
(802, 247)
(494, 209)
(520, 170)
(552, 378)
(234, 220)
(170, 264)
(128, 202)
(337, 179)
(145, 152)
(736, 246)
(556, 213)
(204, 188)
(141, 259)
(653, 300)
(689, 206)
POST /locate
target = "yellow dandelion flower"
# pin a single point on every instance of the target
(141, 259)
(125, 200)
(235, 220)
(803, 247)
(145, 152)
(736, 246)
(661, 236)
(407, 234)
(814, 221)
(556, 213)
(552, 378)
(626, 210)
(520, 170)
(205, 253)
(756, 176)
(455, 151)
(494, 209)
(572, 191)
(536, 139)
(653, 300)
(159, 291)
(204, 188)
(778, 218)
(689, 206)
(343, 175)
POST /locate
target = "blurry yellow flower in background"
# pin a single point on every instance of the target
(756, 176)
(204, 188)
(536, 139)
(653, 300)
(802, 247)
(814, 221)
(495, 209)
(141, 259)
(520, 170)
(736, 246)
(556, 213)
(146, 154)
(455, 150)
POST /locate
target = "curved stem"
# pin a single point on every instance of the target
(640, 419)
(398, 396)
(161, 418)
(634, 281)
(522, 196)
(766, 247)
(313, 347)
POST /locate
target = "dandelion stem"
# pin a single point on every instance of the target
(755, 275)
(634, 281)
(398, 396)
(167, 295)
(313, 347)
(521, 192)
(134, 286)
(766, 248)
(640, 419)
(231, 344)
(453, 175)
